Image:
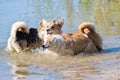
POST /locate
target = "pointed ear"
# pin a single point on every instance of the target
(60, 22)
(43, 23)
(54, 21)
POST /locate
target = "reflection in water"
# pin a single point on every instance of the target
(107, 16)
(21, 71)
(36, 66)
(69, 9)
(33, 66)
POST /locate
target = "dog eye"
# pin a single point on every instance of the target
(52, 27)
(22, 28)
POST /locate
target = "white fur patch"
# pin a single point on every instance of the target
(86, 35)
(17, 25)
(58, 46)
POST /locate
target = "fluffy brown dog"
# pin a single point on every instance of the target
(77, 42)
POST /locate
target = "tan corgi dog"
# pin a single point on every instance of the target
(77, 42)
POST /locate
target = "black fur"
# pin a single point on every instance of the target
(33, 37)
(21, 36)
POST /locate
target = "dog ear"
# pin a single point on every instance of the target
(54, 21)
(60, 22)
(43, 23)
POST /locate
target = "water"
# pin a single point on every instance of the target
(105, 14)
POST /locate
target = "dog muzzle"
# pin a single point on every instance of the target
(45, 46)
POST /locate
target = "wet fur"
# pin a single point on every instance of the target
(33, 40)
(89, 29)
(71, 44)
(18, 37)
(84, 40)
(22, 38)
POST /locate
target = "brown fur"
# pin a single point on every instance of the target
(79, 42)
(53, 26)
(89, 29)
(84, 40)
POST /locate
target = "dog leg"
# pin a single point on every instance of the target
(9, 45)
(90, 48)
(17, 47)
(97, 40)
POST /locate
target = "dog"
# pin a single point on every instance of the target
(23, 38)
(77, 42)
(18, 37)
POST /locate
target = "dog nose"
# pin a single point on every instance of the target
(48, 30)
(45, 46)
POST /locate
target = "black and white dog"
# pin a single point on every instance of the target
(22, 38)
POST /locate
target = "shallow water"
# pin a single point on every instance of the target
(105, 14)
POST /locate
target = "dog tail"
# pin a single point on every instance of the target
(86, 27)
(89, 29)
(19, 26)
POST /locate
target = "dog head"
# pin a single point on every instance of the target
(53, 27)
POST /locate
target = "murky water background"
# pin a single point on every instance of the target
(105, 14)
